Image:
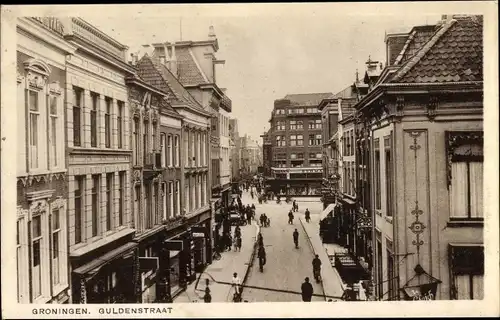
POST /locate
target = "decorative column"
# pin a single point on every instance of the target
(114, 124)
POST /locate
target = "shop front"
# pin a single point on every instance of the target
(109, 277)
(200, 241)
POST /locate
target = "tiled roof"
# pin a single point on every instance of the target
(454, 53)
(188, 71)
(418, 37)
(155, 73)
(307, 99)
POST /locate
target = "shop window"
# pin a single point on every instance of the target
(467, 272)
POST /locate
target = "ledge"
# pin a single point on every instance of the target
(459, 223)
(98, 151)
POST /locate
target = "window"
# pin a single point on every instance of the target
(280, 141)
(93, 119)
(198, 156)
(192, 148)
(380, 281)
(120, 122)
(315, 124)
(77, 116)
(137, 207)
(177, 197)
(147, 197)
(109, 200)
(467, 272)
(169, 150)
(293, 125)
(154, 207)
(280, 125)
(171, 198)
(53, 130)
(163, 150)
(466, 183)
(36, 241)
(164, 200)
(95, 204)
(145, 144)
(293, 156)
(176, 150)
(56, 231)
(388, 176)
(79, 207)
(376, 148)
(314, 139)
(392, 291)
(296, 140)
(34, 116)
(107, 123)
(136, 141)
(121, 197)
(280, 111)
(312, 110)
(154, 143)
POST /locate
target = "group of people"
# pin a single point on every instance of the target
(307, 288)
(264, 220)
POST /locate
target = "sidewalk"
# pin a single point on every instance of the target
(332, 283)
(222, 270)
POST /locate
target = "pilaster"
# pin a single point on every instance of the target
(114, 124)
(101, 124)
(87, 105)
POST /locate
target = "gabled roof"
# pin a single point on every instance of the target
(189, 71)
(453, 54)
(155, 73)
(307, 99)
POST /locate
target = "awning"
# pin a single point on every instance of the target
(348, 201)
(325, 212)
(94, 265)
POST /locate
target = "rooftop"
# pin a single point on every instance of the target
(307, 99)
(454, 53)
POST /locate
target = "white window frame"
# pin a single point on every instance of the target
(164, 200)
(169, 151)
(62, 261)
(177, 198)
(163, 143)
(34, 146)
(176, 150)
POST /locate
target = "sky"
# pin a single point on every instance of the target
(270, 50)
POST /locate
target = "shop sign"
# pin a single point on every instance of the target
(198, 229)
(174, 245)
(421, 292)
(198, 235)
(148, 263)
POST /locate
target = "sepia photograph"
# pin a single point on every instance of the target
(157, 159)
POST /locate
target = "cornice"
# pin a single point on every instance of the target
(42, 33)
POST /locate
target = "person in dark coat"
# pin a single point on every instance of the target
(296, 238)
(307, 290)
(290, 217)
(207, 297)
(260, 240)
(308, 215)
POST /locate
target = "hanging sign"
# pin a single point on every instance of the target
(420, 292)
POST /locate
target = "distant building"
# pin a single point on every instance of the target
(235, 159)
(296, 135)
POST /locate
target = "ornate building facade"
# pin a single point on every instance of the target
(426, 152)
(42, 209)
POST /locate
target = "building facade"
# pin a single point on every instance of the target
(296, 134)
(42, 209)
(189, 235)
(194, 63)
(427, 158)
(235, 159)
(102, 254)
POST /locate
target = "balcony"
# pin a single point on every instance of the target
(226, 103)
(152, 167)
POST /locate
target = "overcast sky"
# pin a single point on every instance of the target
(270, 50)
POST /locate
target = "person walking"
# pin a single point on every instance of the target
(238, 244)
(296, 238)
(307, 290)
(261, 254)
(260, 240)
(308, 215)
(236, 285)
(294, 204)
(207, 297)
(317, 268)
(290, 217)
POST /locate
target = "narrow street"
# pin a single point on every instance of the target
(286, 267)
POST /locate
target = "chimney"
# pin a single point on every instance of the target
(394, 43)
(166, 60)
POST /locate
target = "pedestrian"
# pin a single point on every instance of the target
(238, 243)
(307, 290)
(296, 238)
(236, 283)
(260, 240)
(294, 204)
(207, 297)
(308, 215)
(249, 217)
(237, 232)
(290, 217)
